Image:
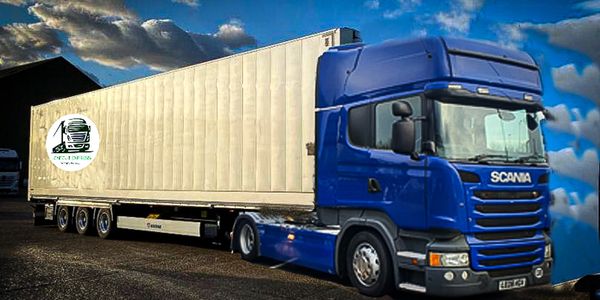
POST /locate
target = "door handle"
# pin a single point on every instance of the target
(374, 186)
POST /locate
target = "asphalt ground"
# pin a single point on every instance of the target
(42, 263)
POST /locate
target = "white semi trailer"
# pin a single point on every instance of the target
(207, 140)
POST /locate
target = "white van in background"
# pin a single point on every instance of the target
(10, 169)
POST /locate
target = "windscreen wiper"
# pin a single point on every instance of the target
(480, 158)
(526, 158)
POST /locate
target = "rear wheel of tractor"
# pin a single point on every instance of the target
(369, 264)
(247, 241)
(63, 219)
(83, 220)
(105, 224)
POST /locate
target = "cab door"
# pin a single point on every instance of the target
(371, 175)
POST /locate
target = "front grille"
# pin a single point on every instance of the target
(506, 226)
(507, 208)
(78, 137)
(509, 272)
(508, 261)
(502, 222)
(512, 195)
(492, 236)
(510, 250)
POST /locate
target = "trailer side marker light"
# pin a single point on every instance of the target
(483, 90)
(153, 216)
(291, 237)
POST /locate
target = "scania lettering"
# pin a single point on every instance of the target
(514, 177)
(410, 164)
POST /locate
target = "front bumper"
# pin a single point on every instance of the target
(477, 282)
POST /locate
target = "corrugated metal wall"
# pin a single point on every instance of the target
(232, 130)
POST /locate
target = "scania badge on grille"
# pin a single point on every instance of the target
(513, 177)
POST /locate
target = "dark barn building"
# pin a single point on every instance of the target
(32, 84)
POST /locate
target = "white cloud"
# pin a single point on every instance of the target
(371, 4)
(576, 34)
(471, 5)
(108, 33)
(566, 163)
(591, 5)
(460, 16)
(571, 121)
(15, 2)
(404, 6)
(23, 43)
(562, 120)
(192, 3)
(568, 79)
(569, 204)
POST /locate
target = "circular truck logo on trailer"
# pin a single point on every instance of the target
(72, 142)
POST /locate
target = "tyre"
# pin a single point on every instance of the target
(63, 219)
(105, 224)
(369, 264)
(247, 240)
(83, 220)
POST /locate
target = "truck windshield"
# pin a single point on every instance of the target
(480, 134)
(78, 128)
(9, 164)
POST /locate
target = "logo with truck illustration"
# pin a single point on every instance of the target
(72, 142)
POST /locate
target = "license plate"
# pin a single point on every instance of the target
(511, 284)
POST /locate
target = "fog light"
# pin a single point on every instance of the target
(464, 275)
(539, 272)
(453, 86)
(527, 97)
(449, 276)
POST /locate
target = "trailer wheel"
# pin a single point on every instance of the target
(369, 264)
(104, 223)
(83, 220)
(247, 240)
(63, 219)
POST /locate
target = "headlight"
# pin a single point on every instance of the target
(548, 251)
(68, 137)
(448, 259)
(87, 138)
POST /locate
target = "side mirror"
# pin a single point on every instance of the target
(402, 109)
(403, 136)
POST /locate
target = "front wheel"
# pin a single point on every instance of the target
(369, 265)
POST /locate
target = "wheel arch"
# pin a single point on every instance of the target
(250, 217)
(353, 226)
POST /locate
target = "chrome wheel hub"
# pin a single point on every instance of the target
(63, 218)
(365, 264)
(82, 220)
(103, 223)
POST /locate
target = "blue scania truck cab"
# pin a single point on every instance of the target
(431, 174)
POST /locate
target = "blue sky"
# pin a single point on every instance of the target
(120, 41)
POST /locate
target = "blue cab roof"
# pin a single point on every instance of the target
(352, 72)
